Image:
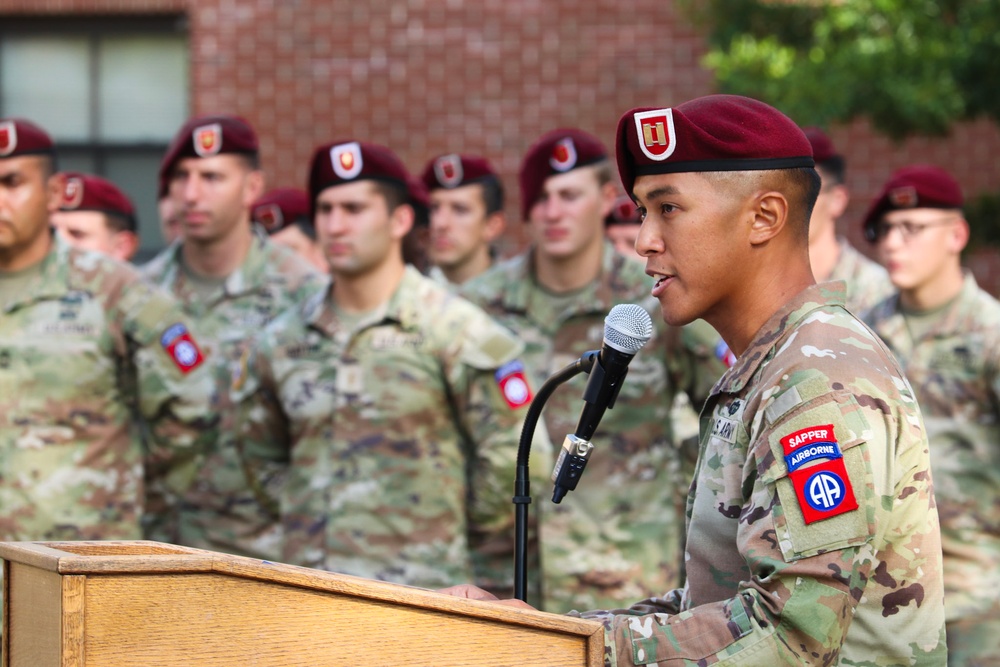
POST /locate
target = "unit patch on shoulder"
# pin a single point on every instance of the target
(823, 489)
(181, 347)
(513, 384)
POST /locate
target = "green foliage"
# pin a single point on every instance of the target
(910, 66)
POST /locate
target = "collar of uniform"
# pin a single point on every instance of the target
(403, 305)
(610, 288)
(168, 264)
(770, 336)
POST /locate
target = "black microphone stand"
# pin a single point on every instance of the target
(522, 486)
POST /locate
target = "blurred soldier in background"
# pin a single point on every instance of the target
(95, 215)
(284, 214)
(945, 331)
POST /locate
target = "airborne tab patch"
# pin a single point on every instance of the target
(513, 384)
(181, 347)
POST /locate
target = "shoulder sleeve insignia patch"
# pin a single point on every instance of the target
(513, 384)
(823, 489)
(181, 348)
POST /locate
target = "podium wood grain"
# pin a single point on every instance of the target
(148, 604)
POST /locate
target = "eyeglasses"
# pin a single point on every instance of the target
(907, 228)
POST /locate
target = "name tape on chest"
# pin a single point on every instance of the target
(823, 489)
(181, 348)
(513, 384)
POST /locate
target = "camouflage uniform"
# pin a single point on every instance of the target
(83, 351)
(218, 509)
(955, 372)
(595, 543)
(867, 282)
(402, 444)
(812, 531)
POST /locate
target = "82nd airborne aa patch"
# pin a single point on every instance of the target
(181, 347)
(513, 384)
(823, 489)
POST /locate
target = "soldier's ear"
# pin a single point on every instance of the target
(54, 187)
(770, 216)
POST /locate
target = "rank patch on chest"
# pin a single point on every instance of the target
(513, 384)
(823, 489)
(182, 348)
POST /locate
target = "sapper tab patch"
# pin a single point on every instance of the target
(180, 345)
(824, 489)
(513, 384)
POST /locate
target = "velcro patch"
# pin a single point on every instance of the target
(181, 347)
(513, 384)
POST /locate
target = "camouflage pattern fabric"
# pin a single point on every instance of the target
(218, 509)
(402, 443)
(595, 544)
(955, 372)
(812, 531)
(867, 282)
(83, 353)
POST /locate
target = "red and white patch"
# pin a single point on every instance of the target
(448, 170)
(72, 193)
(903, 197)
(655, 130)
(824, 489)
(207, 140)
(563, 156)
(346, 160)
(181, 347)
(270, 217)
(513, 384)
(8, 138)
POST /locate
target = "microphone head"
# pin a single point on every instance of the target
(627, 328)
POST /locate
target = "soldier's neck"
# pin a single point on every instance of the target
(217, 258)
(366, 291)
(936, 292)
(570, 273)
(24, 256)
(824, 253)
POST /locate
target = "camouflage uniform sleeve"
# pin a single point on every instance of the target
(174, 395)
(262, 430)
(805, 576)
(491, 395)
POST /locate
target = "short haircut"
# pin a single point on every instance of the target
(120, 223)
(395, 194)
(800, 185)
(604, 171)
(833, 168)
(492, 190)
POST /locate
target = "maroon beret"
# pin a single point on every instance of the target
(916, 186)
(205, 136)
(623, 212)
(453, 170)
(280, 208)
(22, 137)
(85, 192)
(556, 152)
(823, 150)
(349, 161)
(711, 133)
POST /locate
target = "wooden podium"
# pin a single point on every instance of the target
(147, 604)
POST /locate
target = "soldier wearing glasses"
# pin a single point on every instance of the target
(945, 331)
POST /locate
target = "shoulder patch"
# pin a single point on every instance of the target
(182, 348)
(513, 384)
(824, 489)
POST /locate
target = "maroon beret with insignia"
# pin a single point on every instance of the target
(280, 208)
(453, 170)
(823, 150)
(556, 152)
(22, 137)
(711, 133)
(349, 161)
(623, 212)
(85, 192)
(916, 186)
(206, 136)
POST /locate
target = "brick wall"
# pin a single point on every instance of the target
(479, 76)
